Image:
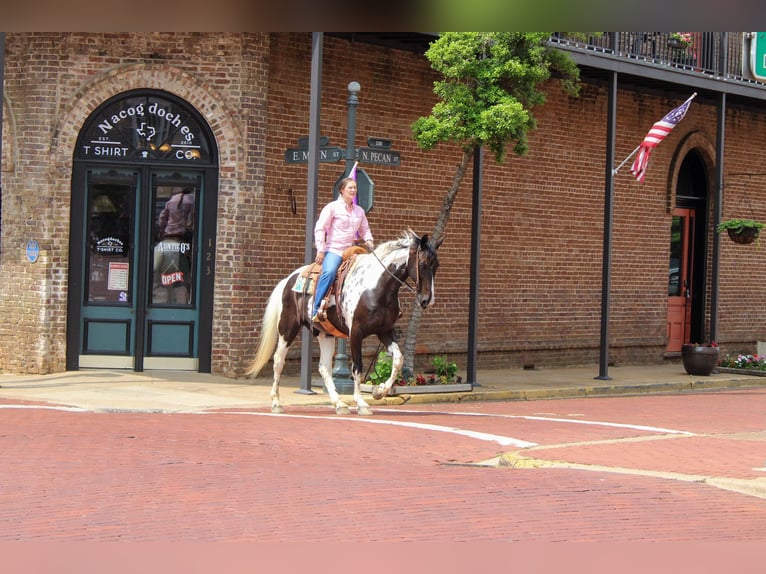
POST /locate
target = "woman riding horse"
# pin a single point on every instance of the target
(368, 305)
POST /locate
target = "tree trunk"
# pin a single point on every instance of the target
(414, 323)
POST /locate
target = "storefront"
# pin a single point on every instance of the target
(144, 195)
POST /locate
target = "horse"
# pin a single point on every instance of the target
(368, 305)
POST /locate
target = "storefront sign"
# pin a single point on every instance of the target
(143, 127)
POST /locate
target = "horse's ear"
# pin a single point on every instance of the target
(438, 242)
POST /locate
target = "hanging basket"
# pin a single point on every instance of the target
(677, 44)
(743, 236)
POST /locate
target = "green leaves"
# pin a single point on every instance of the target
(490, 84)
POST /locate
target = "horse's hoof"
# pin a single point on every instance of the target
(365, 411)
(277, 409)
(377, 393)
(342, 409)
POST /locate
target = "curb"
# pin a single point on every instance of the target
(568, 392)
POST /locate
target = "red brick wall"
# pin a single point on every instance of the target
(542, 217)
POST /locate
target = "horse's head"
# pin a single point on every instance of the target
(422, 265)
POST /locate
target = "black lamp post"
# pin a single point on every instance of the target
(341, 374)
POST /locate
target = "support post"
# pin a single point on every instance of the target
(341, 374)
(312, 184)
(720, 141)
(606, 269)
(473, 301)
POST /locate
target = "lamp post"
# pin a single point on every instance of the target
(341, 374)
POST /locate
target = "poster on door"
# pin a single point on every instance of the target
(119, 273)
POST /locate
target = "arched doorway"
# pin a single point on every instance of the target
(144, 196)
(687, 270)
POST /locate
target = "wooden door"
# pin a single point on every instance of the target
(680, 278)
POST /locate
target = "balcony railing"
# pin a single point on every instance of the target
(719, 55)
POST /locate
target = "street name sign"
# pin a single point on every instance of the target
(379, 156)
(301, 155)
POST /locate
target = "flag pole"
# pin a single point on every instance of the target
(615, 170)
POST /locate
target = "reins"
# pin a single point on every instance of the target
(403, 283)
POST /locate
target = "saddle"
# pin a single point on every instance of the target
(308, 278)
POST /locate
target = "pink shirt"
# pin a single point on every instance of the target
(338, 225)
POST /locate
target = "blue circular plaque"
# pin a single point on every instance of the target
(33, 250)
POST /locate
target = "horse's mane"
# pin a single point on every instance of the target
(385, 249)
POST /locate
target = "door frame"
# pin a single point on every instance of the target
(185, 120)
(687, 217)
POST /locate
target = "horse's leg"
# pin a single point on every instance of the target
(279, 364)
(355, 343)
(397, 360)
(326, 354)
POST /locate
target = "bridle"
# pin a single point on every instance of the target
(417, 270)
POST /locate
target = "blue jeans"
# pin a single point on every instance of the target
(330, 266)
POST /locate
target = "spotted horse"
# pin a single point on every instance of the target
(368, 304)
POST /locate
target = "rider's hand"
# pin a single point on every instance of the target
(320, 257)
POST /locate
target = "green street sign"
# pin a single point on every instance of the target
(301, 154)
(758, 55)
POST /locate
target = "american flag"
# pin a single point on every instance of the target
(658, 132)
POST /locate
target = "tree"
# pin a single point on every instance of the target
(489, 87)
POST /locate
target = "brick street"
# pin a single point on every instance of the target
(640, 468)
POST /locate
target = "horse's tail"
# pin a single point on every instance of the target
(269, 330)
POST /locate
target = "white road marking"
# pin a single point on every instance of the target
(43, 407)
(549, 419)
(502, 440)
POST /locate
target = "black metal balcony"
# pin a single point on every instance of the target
(706, 59)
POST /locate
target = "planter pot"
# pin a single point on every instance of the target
(419, 389)
(700, 361)
(746, 235)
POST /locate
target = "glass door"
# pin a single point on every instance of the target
(172, 315)
(140, 286)
(109, 284)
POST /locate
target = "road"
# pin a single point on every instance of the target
(670, 468)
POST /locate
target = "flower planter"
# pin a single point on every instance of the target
(699, 360)
(748, 372)
(743, 236)
(421, 389)
(677, 44)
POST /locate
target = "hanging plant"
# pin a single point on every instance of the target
(741, 230)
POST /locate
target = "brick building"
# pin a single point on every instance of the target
(100, 130)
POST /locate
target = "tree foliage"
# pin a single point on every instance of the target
(491, 81)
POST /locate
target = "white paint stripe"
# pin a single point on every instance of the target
(45, 408)
(551, 419)
(502, 440)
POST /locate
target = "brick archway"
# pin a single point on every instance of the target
(216, 112)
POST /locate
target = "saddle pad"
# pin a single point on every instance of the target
(307, 280)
